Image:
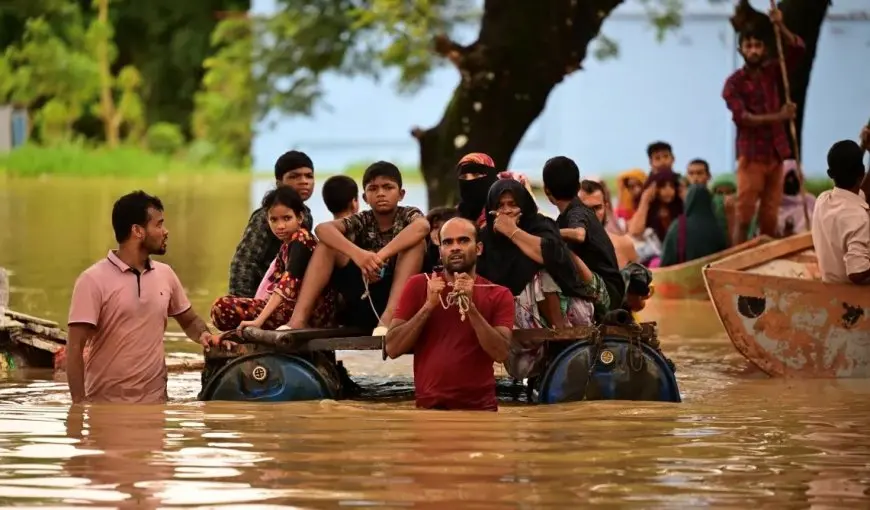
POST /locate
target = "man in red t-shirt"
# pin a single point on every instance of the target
(453, 357)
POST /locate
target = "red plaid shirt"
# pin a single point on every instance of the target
(758, 93)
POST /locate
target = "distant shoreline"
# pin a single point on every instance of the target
(80, 161)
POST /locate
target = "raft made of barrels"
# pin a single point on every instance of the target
(607, 362)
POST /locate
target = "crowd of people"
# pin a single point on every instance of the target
(451, 286)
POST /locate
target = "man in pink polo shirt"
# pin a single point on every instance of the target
(119, 309)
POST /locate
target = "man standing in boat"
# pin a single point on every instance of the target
(454, 346)
(119, 310)
(752, 95)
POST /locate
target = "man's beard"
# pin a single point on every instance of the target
(465, 266)
(159, 249)
(752, 64)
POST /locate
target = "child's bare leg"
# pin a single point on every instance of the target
(316, 279)
(551, 309)
(408, 263)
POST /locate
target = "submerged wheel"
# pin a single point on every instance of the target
(269, 377)
(621, 371)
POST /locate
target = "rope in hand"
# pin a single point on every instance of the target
(454, 298)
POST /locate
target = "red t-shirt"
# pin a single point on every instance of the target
(451, 369)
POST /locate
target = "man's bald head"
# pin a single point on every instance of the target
(458, 224)
(460, 246)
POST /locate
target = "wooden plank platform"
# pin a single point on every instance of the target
(344, 339)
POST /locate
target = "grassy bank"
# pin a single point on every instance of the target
(84, 161)
(75, 160)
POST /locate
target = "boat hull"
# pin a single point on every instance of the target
(783, 319)
(686, 280)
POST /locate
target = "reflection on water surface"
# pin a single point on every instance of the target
(738, 440)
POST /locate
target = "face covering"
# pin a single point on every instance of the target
(792, 185)
(473, 193)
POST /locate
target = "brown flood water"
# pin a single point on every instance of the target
(738, 440)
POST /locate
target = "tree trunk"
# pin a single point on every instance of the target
(107, 102)
(522, 52)
(804, 18)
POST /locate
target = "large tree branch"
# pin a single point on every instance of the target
(523, 50)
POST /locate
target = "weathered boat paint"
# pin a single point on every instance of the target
(686, 281)
(784, 319)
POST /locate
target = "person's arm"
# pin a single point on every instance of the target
(414, 233)
(740, 115)
(582, 268)
(334, 234)
(857, 256)
(411, 316)
(630, 252)
(416, 229)
(495, 339)
(181, 310)
(528, 244)
(793, 47)
(251, 253)
(84, 316)
(637, 224)
(77, 337)
(193, 325)
(578, 235)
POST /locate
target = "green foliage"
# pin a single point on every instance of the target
(307, 39)
(44, 65)
(55, 120)
(131, 111)
(224, 108)
(164, 138)
(77, 159)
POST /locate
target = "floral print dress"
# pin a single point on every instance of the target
(228, 312)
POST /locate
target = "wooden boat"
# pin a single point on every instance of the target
(784, 319)
(686, 281)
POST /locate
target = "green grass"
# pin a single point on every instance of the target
(84, 161)
(79, 160)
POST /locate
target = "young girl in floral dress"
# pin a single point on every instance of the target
(276, 298)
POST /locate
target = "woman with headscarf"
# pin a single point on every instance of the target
(476, 172)
(724, 188)
(660, 205)
(696, 232)
(791, 218)
(524, 251)
(629, 185)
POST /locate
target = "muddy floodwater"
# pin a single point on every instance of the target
(738, 440)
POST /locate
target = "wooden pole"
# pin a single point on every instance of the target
(792, 128)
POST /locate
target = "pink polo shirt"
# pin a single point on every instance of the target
(125, 359)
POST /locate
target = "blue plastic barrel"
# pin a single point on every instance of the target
(621, 371)
(268, 377)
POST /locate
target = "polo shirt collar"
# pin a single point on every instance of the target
(120, 264)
